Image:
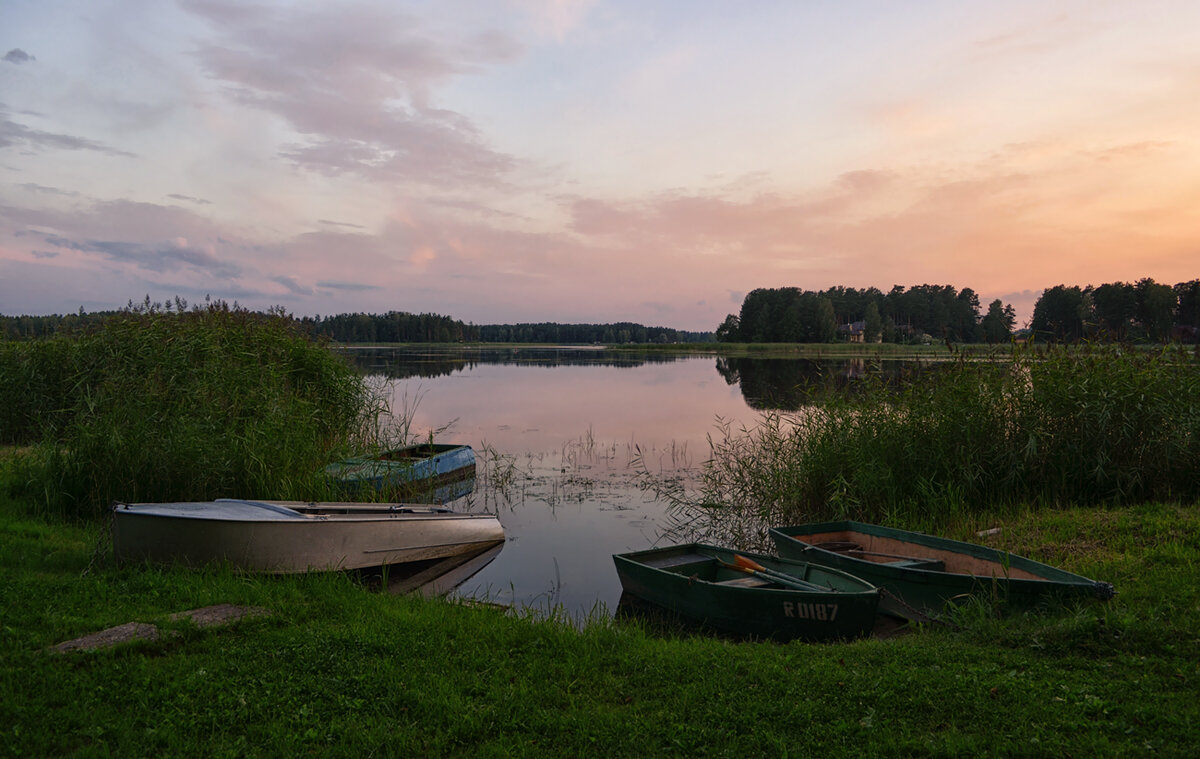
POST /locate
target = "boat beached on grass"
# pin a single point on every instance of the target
(750, 594)
(290, 536)
(921, 573)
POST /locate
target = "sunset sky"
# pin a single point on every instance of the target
(576, 161)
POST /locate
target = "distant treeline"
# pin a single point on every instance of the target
(392, 327)
(792, 315)
(32, 327)
(618, 333)
(399, 327)
(1145, 311)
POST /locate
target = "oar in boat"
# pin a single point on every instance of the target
(861, 552)
(742, 564)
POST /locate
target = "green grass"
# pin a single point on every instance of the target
(341, 671)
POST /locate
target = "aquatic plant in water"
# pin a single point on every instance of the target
(1080, 425)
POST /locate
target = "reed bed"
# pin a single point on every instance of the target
(1086, 425)
(162, 404)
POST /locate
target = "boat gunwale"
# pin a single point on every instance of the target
(446, 450)
(1043, 573)
(867, 588)
(312, 513)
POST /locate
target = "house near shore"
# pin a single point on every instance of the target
(856, 332)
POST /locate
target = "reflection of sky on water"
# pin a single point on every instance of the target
(518, 409)
(567, 434)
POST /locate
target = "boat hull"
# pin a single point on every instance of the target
(284, 537)
(922, 573)
(437, 468)
(692, 581)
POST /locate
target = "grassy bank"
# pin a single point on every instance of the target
(342, 671)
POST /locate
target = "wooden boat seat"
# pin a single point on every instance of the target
(933, 565)
(745, 582)
(680, 562)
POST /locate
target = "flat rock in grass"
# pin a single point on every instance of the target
(209, 616)
(221, 614)
(110, 637)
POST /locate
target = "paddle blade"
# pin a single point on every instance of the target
(745, 563)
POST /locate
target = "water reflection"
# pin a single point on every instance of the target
(774, 384)
(435, 491)
(442, 361)
(560, 436)
(779, 384)
(434, 577)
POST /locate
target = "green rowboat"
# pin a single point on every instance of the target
(921, 573)
(785, 600)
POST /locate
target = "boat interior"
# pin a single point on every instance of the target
(713, 569)
(414, 453)
(318, 508)
(899, 553)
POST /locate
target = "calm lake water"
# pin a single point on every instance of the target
(557, 433)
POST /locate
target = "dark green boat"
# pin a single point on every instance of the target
(920, 573)
(785, 600)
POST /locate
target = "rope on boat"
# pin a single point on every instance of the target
(918, 616)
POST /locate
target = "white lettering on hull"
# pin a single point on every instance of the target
(817, 612)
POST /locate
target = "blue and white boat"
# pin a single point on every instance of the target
(436, 469)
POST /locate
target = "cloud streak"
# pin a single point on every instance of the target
(15, 134)
(354, 83)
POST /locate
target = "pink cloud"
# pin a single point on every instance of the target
(355, 83)
(1022, 219)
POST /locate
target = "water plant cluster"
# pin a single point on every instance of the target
(162, 403)
(1084, 425)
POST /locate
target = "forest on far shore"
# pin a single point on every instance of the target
(391, 327)
(1145, 311)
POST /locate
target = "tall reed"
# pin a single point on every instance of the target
(35, 383)
(159, 405)
(1083, 425)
